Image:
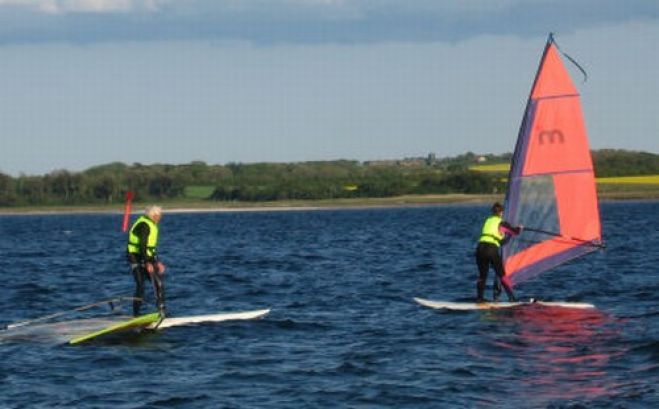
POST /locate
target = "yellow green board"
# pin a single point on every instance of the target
(141, 321)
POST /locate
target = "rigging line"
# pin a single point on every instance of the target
(572, 60)
(594, 243)
(559, 239)
(77, 309)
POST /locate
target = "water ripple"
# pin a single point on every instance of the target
(343, 331)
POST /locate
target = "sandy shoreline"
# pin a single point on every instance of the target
(401, 201)
(339, 204)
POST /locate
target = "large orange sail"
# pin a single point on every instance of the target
(551, 187)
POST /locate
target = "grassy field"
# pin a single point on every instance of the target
(614, 188)
(198, 192)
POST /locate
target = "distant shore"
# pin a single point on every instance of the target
(283, 205)
(296, 205)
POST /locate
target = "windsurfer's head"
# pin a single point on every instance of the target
(497, 208)
(154, 213)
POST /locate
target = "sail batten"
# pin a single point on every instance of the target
(551, 184)
(554, 173)
(558, 96)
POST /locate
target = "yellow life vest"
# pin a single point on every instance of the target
(152, 240)
(490, 233)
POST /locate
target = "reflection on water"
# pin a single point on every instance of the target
(344, 331)
(552, 353)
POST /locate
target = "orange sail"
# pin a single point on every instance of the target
(551, 187)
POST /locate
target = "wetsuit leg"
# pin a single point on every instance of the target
(483, 263)
(497, 262)
(496, 289)
(159, 288)
(138, 274)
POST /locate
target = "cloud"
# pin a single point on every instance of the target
(304, 21)
(82, 6)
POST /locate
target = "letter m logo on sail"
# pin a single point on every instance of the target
(551, 136)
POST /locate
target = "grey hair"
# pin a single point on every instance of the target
(153, 211)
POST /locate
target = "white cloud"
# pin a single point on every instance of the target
(305, 21)
(84, 6)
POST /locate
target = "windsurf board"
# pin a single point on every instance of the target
(467, 306)
(200, 319)
(152, 322)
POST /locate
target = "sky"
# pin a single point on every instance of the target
(89, 82)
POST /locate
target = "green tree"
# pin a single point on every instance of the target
(7, 193)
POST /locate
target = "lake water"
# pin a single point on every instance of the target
(343, 331)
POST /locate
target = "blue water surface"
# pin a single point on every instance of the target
(344, 331)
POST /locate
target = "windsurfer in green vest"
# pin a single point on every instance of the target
(495, 232)
(143, 258)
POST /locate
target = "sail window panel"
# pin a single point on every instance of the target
(536, 206)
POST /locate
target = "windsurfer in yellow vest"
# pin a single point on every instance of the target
(143, 258)
(495, 232)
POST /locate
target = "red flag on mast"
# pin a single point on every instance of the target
(127, 207)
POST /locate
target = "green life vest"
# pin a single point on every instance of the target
(152, 240)
(490, 233)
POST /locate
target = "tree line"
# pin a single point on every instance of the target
(612, 162)
(108, 183)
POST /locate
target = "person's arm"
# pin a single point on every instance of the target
(509, 230)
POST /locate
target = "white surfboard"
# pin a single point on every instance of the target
(200, 319)
(466, 306)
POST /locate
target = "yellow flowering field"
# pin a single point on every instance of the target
(494, 167)
(630, 180)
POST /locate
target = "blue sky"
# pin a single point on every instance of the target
(87, 82)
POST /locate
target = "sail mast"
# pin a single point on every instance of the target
(523, 126)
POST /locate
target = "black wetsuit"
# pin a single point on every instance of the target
(137, 265)
(489, 254)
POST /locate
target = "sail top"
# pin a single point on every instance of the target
(553, 80)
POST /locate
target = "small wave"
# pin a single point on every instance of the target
(463, 372)
(290, 324)
(179, 401)
(353, 368)
(429, 266)
(651, 348)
